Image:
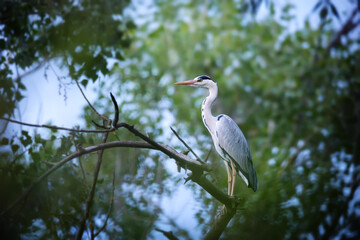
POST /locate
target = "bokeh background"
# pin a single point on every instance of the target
(287, 72)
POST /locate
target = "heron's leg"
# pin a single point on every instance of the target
(233, 177)
(229, 177)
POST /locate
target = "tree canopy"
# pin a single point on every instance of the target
(294, 92)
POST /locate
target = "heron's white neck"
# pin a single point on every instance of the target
(208, 119)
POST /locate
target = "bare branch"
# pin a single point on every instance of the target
(172, 153)
(83, 173)
(168, 234)
(187, 146)
(346, 28)
(57, 128)
(188, 163)
(208, 155)
(182, 160)
(116, 109)
(220, 222)
(90, 198)
(201, 180)
(91, 106)
(40, 65)
(110, 207)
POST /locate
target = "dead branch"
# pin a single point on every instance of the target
(186, 145)
(90, 197)
(220, 223)
(56, 127)
(116, 109)
(109, 210)
(87, 100)
(345, 29)
(169, 234)
(172, 153)
(198, 168)
(182, 159)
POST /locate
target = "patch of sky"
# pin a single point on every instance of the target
(271, 162)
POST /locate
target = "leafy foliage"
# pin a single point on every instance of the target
(34, 32)
(296, 101)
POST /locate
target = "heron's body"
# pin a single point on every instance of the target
(228, 139)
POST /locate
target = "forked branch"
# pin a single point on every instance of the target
(197, 167)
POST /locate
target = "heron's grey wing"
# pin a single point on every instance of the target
(234, 146)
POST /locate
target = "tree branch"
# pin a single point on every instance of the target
(346, 28)
(186, 145)
(91, 106)
(169, 234)
(201, 180)
(109, 210)
(58, 128)
(220, 223)
(90, 198)
(182, 159)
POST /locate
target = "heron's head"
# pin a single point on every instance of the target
(200, 81)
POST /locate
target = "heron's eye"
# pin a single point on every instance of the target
(200, 80)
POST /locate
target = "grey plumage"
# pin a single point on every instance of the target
(233, 145)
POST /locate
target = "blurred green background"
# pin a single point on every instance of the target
(292, 89)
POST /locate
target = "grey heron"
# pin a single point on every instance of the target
(229, 141)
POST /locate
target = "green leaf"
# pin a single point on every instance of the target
(18, 96)
(323, 13)
(14, 148)
(25, 138)
(2, 44)
(4, 141)
(35, 156)
(21, 85)
(317, 5)
(119, 56)
(334, 11)
(84, 82)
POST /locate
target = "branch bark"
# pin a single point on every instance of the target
(346, 28)
(220, 223)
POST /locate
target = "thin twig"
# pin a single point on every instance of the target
(208, 155)
(116, 109)
(91, 106)
(90, 198)
(83, 172)
(193, 165)
(169, 234)
(187, 146)
(58, 128)
(110, 207)
(40, 65)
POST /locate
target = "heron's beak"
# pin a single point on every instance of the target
(189, 82)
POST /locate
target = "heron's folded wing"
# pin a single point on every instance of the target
(233, 143)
